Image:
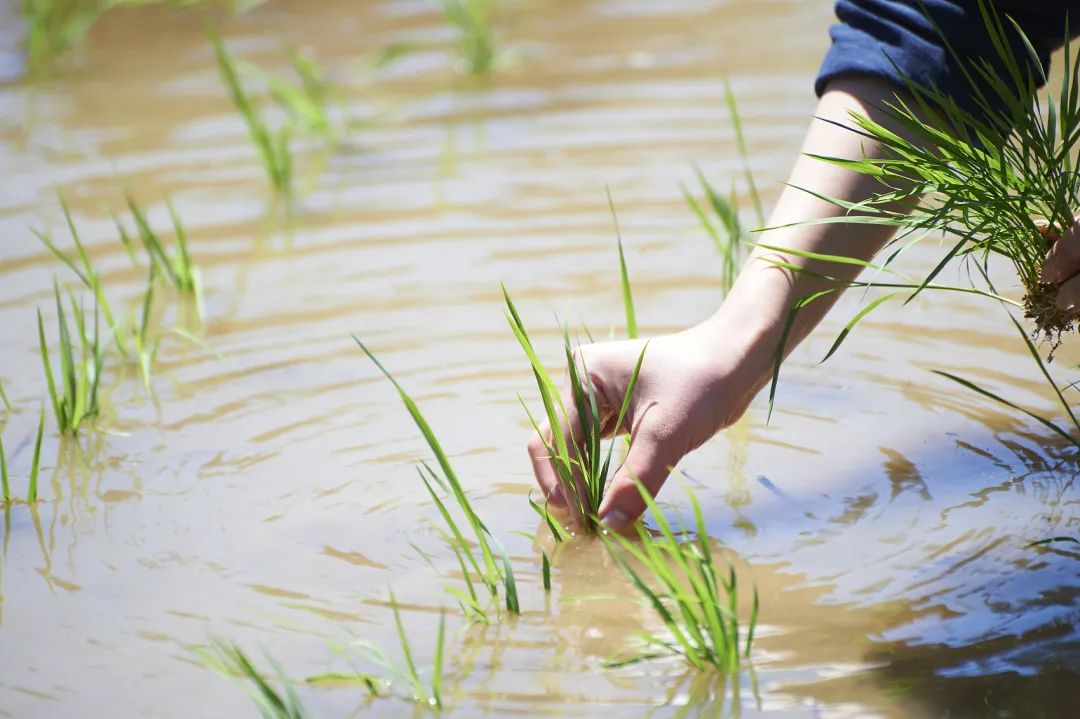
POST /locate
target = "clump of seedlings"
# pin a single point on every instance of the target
(726, 230)
(695, 599)
(177, 268)
(729, 235)
(73, 391)
(476, 39)
(84, 270)
(35, 466)
(999, 178)
(483, 561)
(272, 146)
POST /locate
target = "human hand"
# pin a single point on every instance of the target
(1062, 267)
(685, 394)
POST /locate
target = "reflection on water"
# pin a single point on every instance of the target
(264, 492)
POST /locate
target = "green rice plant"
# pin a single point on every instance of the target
(35, 466)
(4, 397)
(84, 270)
(177, 268)
(680, 580)
(307, 101)
(273, 147)
(476, 39)
(82, 356)
(231, 662)
(427, 692)
(144, 342)
(726, 230)
(998, 179)
(483, 561)
(624, 277)
(582, 465)
(744, 154)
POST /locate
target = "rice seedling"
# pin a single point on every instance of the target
(84, 270)
(273, 147)
(145, 344)
(476, 39)
(726, 230)
(680, 580)
(177, 268)
(35, 467)
(744, 154)
(4, 397)
(231, 662)
(483, 561)
(998, 179)
(624, 277)
(82, 356)
(582, 466)
(427, 692)
(307, 102)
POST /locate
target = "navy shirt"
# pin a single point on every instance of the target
(881, 37)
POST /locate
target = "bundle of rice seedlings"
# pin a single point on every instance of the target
(680, 581)
(999, 179)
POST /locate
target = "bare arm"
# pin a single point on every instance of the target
(697, 382)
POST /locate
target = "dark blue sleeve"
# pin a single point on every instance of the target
(893, 39)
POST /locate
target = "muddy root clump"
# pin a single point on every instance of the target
(1051, 322)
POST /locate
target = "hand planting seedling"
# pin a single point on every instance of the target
(582, 467)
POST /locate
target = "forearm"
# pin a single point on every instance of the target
(751, 321)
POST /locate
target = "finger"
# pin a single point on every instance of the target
(622, 503)
(1063, 260)
(543, 444)
(1068, 297)
(544, 468)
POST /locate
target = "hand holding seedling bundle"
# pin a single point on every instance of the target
(681, 398)
(1062, 269)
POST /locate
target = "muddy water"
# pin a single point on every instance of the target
(264, 491)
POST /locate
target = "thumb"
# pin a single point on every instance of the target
(622, 504)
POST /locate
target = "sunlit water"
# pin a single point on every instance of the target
(265, 491)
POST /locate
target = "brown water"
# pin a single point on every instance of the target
(265, 491)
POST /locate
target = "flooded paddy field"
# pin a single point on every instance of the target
(264, 490)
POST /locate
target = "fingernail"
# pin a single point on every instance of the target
(615, 520)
